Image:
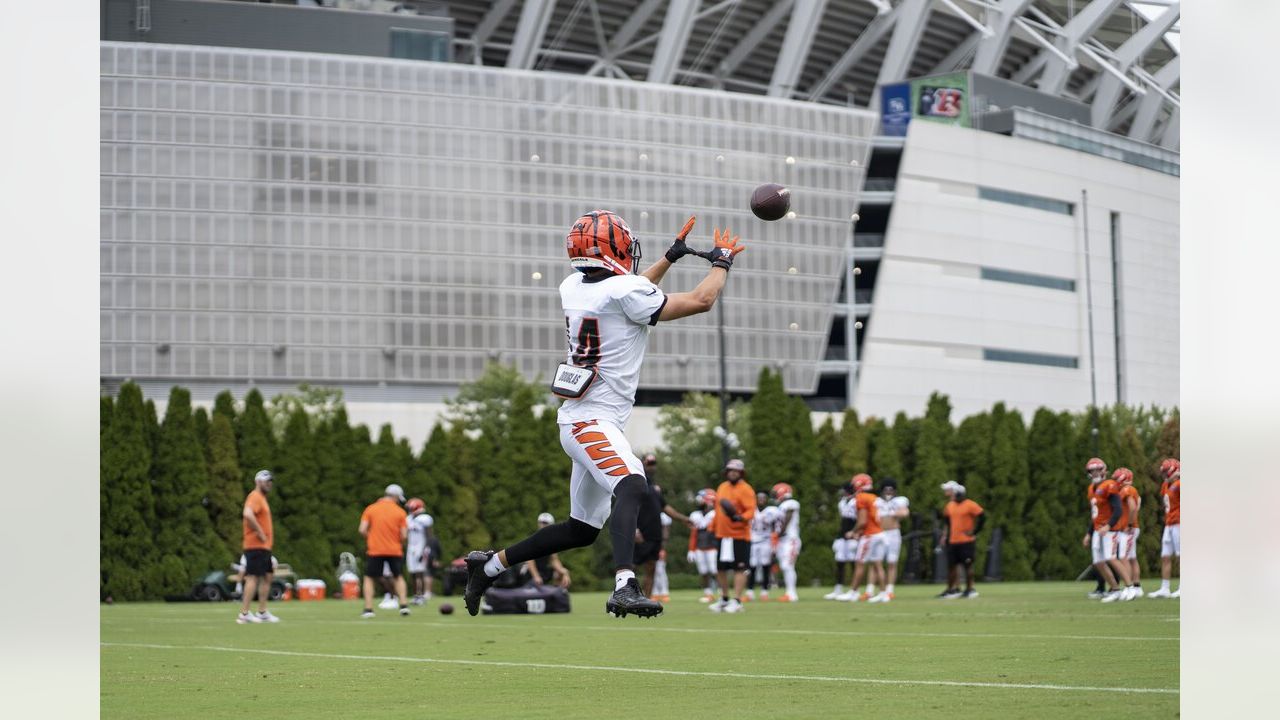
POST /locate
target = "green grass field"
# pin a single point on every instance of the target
(1019, 651)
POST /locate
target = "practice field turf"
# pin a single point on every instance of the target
(1020, 650)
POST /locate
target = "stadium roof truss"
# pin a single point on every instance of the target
(1118, 56)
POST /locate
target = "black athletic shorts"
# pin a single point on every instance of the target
(257, 562)
(377, 565)
(741, 555)
(645, 552)
(960, 553)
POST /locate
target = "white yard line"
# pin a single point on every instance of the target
(653, 671)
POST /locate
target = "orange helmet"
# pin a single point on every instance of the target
(782, 491)
(862, 482)
(1095, 465)
(1170, 467)
(1123, 475)
(708, 496)
(601, 239)
(415, 505)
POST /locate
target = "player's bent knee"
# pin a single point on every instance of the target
(581, 534)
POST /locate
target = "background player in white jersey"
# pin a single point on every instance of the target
(418, 555)
(788, 550)
(703, 552)
(609, 309)
(661, 586)
(843, 547)
(892, 509)
(764, 529)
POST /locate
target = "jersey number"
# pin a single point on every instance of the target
(587, 350)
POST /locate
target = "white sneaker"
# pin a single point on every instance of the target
(404, 610)
(764, 596)
(1176, 593)
(1096, 595)
(246, 618)
(705, 599)
(834, 594)
(880, 597)
(388, 603)
(1112, 596)
(790, 597)
(1137, 591)
(1128, 594)
(266, 617)
(418, 600)
(718, 606)
(751, 594)
(734, 606)
(847, 596)
(1161, 593)
(367, 614)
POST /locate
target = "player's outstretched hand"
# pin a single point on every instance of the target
(678, 249)
(727, 247)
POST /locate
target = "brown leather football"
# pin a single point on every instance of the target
(770, 201)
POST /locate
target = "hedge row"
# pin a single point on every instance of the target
(172, 489)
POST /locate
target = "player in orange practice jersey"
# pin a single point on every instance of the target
(1103, 495)
(870, 536)
(1128, 531)
(1171, 539)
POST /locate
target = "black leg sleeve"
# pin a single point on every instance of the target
(628, 495)
(551, 539)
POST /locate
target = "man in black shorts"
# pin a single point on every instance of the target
(649, 528)
(385, 527)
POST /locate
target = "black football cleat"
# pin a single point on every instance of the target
(628, 600)
(477, 580)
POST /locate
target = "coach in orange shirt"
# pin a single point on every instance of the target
(385, 526)
(962, 520)
(732, 526)
(258, 537)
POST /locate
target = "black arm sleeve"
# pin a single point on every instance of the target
(1115, 511)
(977, 527)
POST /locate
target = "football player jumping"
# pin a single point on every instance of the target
(609, 308)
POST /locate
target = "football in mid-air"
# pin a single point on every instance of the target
(770, 201)
(446, 609)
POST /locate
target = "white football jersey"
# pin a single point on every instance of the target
(848, 508)
(890, 507)
(792, 530)
(608, 325)
(764, 523)
(695, 517)
(666, 520)
(418, 525)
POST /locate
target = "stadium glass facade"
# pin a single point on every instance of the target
(279, 217)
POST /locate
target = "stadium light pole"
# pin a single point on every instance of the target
(1088, 290)
(724, 391)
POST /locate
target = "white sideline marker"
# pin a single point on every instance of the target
(652, 671)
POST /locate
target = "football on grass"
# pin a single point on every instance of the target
(770, 201)
(446, 609)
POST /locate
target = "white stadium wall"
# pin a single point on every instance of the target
(981, 292)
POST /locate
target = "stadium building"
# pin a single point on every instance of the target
(373, 195)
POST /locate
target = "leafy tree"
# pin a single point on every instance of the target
(128, 509)
(226, 482)
(855, 456)
(905, 430)
(296, 505)
(318, 404)
(255, 444)
(182, 487)
(1009, 492)
(1050, 527)
(886, 460)
(152, 423)
(690, 457)
(200, 423)
(225, 405)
